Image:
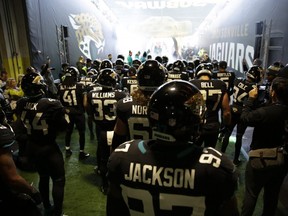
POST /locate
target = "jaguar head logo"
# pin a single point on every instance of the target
(88, 31)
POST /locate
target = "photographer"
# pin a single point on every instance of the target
(270, 132)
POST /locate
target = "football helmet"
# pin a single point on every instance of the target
(7, 136)
(132, 71)
(159, 59)
(150, 75)
(196, 62)
(203, 69)
(108, 78)
(165, 60)
(120, 56)
(106, 63)
(176, 112)
(33, 85)
(215, 64)
(254, 73)
(190, 66)
(126, 66)
(178, 66)
(96, 64)
(136, 63)
(274, 68)
(169, 67)
(73, 72)
(223, 65)
(92, 72)
(119, 64)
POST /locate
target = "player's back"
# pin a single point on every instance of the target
(102, 102)
(240, 92)
(226, 76)
(171, 181)
(41, 118)
(213, 91)
(134, 115)
(130, 83)
(72, 97)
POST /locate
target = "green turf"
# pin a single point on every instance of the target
(82, 194)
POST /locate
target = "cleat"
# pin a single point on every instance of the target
(68, 152)
(83, 155)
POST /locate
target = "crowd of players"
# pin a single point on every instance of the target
(122, 102)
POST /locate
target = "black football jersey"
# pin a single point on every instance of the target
(228, 77)
(240, 93)
(130, 83)
(41, 118)
(213, 92)
(157, 180)
(72, 97)
(134, 115)
(102, 105)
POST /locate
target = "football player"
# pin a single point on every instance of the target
(73, 96)
(119, 68)
(87, 81)
(43, 118)
(170, 175)
(101, 107)
(242, 87)
(215, 95)
(130, 83)
(178, 71)
(226, 76)
(132, 122)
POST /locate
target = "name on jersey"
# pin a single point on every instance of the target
(132, 82)
(224, 74)
(161, 176)
(207, 85)
(31, 106)
(139, 110)
(103, 95)
(62, 87)
(174, 76)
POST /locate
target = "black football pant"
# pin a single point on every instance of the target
(49, 163)
(103, 153)
(79, 121)
(241, 128)
(209, 135)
